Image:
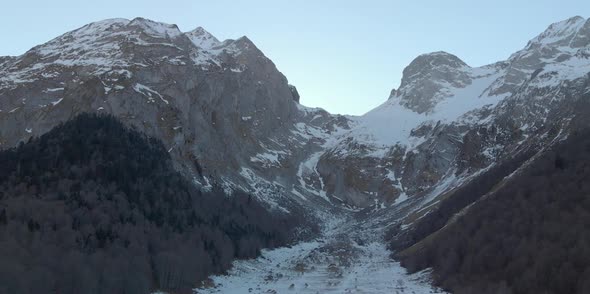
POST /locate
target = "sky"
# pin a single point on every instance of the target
(343, 56)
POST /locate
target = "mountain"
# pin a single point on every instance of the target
(93, 207)
(527, 235)
(229, 118)
(223, 104)
(449, 121)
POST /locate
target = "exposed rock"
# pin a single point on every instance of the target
(228, 116)
(294, 93)
(448, 121)
(425, 80)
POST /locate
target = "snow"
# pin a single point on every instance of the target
(308, 169)
(147, 91)
(446, 183)
(175, 60)
(401, 198)
(296, 193)
(54, 103)
(209, 49)
(142, 42)
(308, 110)
(558, 31)
(326, 265)
(555, 73)
(267, 191)
(116, 73)
(93, 45)
(211, 56)
(270, 157)
(157, 29)
(53, 90)
(49, 75)
(398, 185)
(98, 46)
(88, 48)
(208, 186)
(391, 123)
(202, 39)
(308, 132)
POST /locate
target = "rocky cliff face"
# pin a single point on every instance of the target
(229, 116)
(219, 107)
(426, 80)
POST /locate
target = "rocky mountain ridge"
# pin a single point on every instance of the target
(448, 121)
(214, 104)
(228, 116)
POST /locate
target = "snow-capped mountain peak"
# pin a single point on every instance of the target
(202, 38)
(447, 117)
(560, 33)
(121, 44)
(425, 79)
(156, 29)
(428, 61)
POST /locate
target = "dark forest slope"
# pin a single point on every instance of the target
(93, 207)
(531, 235)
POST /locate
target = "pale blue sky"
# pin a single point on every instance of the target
(344, 56)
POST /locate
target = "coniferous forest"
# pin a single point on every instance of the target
(95, 207)
(530, 234)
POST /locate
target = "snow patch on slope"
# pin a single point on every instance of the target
(269, 158)
(156, 29)
(391, 123)
(202, 39)
(308, 170)
(266, 191)
(147, 91)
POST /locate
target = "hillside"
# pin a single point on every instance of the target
(95, 207)
(529, 234)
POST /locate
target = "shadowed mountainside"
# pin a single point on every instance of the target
(527, 234)
(94, 207)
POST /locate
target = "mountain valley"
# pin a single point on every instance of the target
(360, 188)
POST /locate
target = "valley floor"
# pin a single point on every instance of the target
(339, 262)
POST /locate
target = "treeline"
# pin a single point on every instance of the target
(94, 207)
(532, 235)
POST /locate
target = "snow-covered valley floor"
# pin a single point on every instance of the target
(339, 262)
